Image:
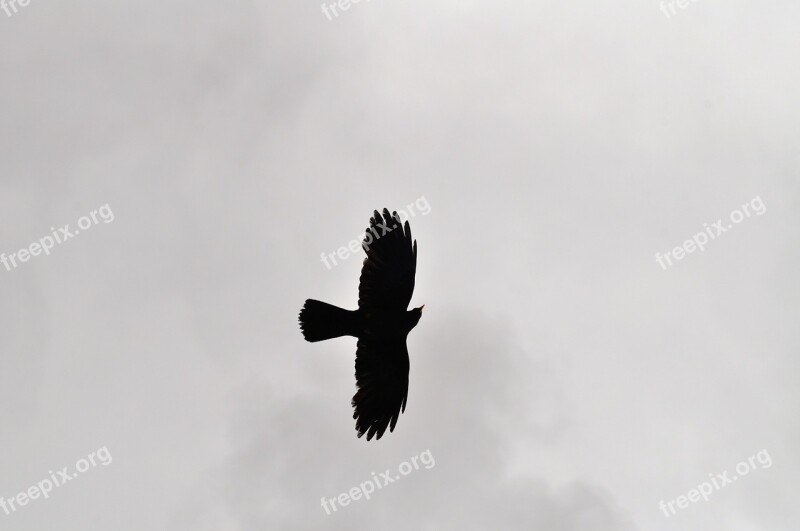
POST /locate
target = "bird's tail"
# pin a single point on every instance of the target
(320, 321)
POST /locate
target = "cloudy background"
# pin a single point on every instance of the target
(561, 379)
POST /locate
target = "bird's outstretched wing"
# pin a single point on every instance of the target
(382, 381)
(387, 276)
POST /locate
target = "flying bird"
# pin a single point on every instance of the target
(381, 323)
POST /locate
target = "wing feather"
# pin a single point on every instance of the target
(387, 275)
(382, 382)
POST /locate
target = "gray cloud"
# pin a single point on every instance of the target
(560, 377)
(463, 399)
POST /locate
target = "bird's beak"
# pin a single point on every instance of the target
(421, 307)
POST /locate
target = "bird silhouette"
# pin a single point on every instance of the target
(381, 323)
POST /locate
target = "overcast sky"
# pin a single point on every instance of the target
(564, 377)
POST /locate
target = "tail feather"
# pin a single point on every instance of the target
(320, 321)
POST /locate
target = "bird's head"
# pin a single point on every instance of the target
(416, 314)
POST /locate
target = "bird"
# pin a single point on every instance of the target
(381, 323)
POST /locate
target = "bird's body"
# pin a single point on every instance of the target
(388, 324)
(381, 323)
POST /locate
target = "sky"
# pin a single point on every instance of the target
(606, 203)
